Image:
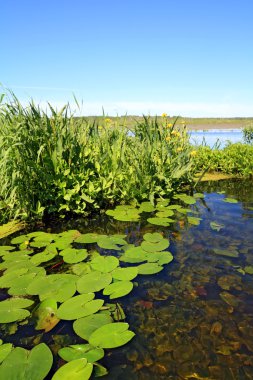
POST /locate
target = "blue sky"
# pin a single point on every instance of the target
(183, 57)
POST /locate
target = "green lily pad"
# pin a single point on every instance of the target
(146, 207)
(164, 213)
(249, 269)
(73, 256)
(110, 242)
(199, 195)
(216, 226)
(4, 249)
(80, 269)
(79, 307)
(57, 286)
(155, 247)
(88, 238)
(149, 268)
(118, 289)
(187, 199)
(226, 252)
(125, 274)
(153, 237)
(13, 309)
(45, 315)
(42, 257)
(20, 239)
(80, 351)
(22, 364)
(160, 258)
(230, 200)
(160, 221)
(193, 220)
(19, 284)
(124, 214)
(5, 349)
(104, 264)
(84, 327)
(134, 255)
(93, 282)
(78, 369)
(111, 335)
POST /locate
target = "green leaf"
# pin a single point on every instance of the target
(109, 242)
(79, 351)
(12, 309)
(134, 255)
(193, 220)
(160, 257)
(88, 238)
(187, 199)
(216, 226)
(5, 349)
(146, 207)
(164, 213)
(78, 369)
(45, 315)
(230, 200)
(153, 237)
(149, 268)
(125, 274)
(118, 289)
(104, 264)
(160, 221)
(155, 247)
(73, 256)
(93, 282)
(22, 364)
(111, 335)
(79, 306)
(84, 327)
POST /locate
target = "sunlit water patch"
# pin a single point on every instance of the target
(194, 318)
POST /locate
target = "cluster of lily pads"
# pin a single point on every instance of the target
(72, 276)
(48, 297)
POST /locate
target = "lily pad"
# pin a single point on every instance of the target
(149, 268)
(104, 264)
(230, 200)
(153, 237)
(134, 255)
(110, 242)
(187, 199)
(88, 238)
(57, 286)
(73, 256)
(5, 349)
(84, 327)
(118, 289)
(160, 221)
(79, 351)
(193, 220)
(226, 252)
(22, 364)
(93, 282)
(111, 335)
(164, 213)
(79, 306)
(146, 207)
(155, 247)
(216, 226)
(160, 258)
(13, 309)
(78, 369)
(125, 274)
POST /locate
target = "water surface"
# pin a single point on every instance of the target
(216, 136)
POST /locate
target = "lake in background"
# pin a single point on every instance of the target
(214, 136)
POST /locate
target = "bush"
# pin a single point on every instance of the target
(248, 134)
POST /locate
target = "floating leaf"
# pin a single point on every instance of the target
(160, 221)
(118, 289)
(189, 200)
(230, 200)
(126, 274)
(155, 247)
(249, 269)
(134, 255)
(104, 264)
(88, 238)
(149, 268)
(80, 269)
(193, 220)
(111, 335)
(79, 351)
(164, 213)
(93, 282)
(73, 256)
(4, 249)
(126, 214)
(216, 226)
(153, 237)
(45, 315)
(226, 252)
(78, 369)
(160, 257)
(22, 364)
(5, 349)
(79, 307)
(199, 195)
(13, 309)
(84, 327)
(146, 207)
(57, 286)
(110, 242)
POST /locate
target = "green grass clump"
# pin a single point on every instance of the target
(56, 163)
(233, 159)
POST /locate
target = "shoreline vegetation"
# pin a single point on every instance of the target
(57, 164)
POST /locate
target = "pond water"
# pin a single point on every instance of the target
(216, 136)
(194, 319)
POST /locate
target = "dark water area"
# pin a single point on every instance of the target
(213, 137)
(194, 319)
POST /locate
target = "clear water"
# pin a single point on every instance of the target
(216, 136)
(193, 320)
